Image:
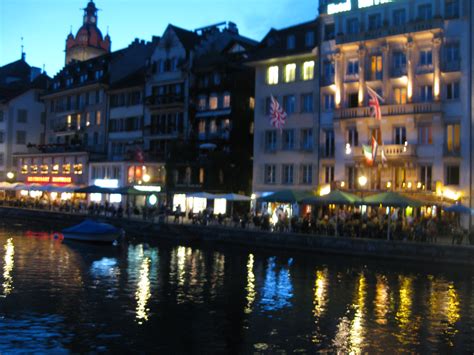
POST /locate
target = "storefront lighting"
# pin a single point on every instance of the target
(147, 188)
(362, 180)
(253, 196)
(419, 185)
(146, 178)
(10, 175)
(24, 193)
(54, 195)
(343, 184)
(325, 190)
(389, 184)
(152, 200)
(66, 196)
(409, 185)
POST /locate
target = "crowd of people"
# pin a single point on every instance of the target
(353, 223)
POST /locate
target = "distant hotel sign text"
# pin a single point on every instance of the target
(346, 5)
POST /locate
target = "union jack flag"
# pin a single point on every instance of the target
(374, 103)
(277, 114)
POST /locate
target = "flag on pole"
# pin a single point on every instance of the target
(277, 114)
(367, 150)
(384, 157)
(374, 103)
(375, 147)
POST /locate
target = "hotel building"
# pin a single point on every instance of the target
(417, 56)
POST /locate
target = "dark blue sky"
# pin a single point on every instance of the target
(44, 24)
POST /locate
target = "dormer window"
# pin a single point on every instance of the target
(83, 78)
(69, 81)
(99, 74)
(290, 42)
(309, 39)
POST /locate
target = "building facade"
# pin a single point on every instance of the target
(286, 69)
(415, 56)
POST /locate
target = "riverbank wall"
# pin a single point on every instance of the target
(380, 249)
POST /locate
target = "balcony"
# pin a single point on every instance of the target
(164, 101)
(424, 69)
(327, 80)
(65, 129)
(386, 31)
(389, 110)
(373, 76)
(392, 152)
(451, 66)
(398, 72)
(454, 152)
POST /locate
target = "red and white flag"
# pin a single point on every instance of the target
(277, 114)
(375, 147)
(374, 103)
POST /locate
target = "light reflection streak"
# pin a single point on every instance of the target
(250, 285)
(8, 267)
(143, 292)
(407, 323)
(181, 255)
(357, 332)
(320, 293)
(277, 290)
(381, 301)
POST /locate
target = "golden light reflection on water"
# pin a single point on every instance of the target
(444, 308)
(350, 335)
(8, 267)
(408, 324)
(320, 293)
(250, 285)
(181, 255)
(381, 301)
(143, 292)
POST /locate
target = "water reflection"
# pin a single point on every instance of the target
(142, 271)
(251, 293)
(408, 324)
(143, 292)
(8, 267)
(277, 289)
(381, 302)
(320, 300)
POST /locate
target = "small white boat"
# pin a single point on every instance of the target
(91, 231)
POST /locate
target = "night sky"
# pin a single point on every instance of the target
(44, 24)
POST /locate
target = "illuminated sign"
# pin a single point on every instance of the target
(147, 188)
(107, 183)
(48, 179)
(339, 7)
(368, 3)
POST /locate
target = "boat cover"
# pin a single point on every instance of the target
(91, 227)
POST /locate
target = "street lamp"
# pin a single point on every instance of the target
(10, 176)
(146, 178)
(362, 182)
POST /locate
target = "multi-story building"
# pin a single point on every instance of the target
(167, 123)
(417, 55)
(222, 109)
(22, 113)
(286, 68)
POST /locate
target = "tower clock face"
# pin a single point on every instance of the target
(92, 19)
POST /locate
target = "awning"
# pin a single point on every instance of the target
(93, 189)
(287, 196)
(335, 197)
(233, 197)
(391, 199)
(205, 195)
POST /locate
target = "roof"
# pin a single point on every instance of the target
(19, 69)
(189, 39)
(274, 44)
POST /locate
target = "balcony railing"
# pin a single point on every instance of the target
(409, 27)
(424, 69)
(397, 72)
(451, 151)
(165, 100)
(389, 110)
(451, 66)
(392, 151)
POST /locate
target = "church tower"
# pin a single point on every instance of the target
(88, 42)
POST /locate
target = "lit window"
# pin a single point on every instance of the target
(453, 137)
(88, 119)
(308, 70)
(213, 102)
(202, 127)
(98, 118)
(213, 126)
(34, 169)
(400, 96)
(227, 100)
(201, 175)
(44, 169)
(24, 169)
(202, 103)
(290, 72)
(251, 103)
(272, 75)
(77, 169)
(55, 169)
(66, 169)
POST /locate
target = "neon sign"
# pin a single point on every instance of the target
(49, 179)
(339, 7)
(368, 3)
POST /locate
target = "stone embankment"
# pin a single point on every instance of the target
(381, 249)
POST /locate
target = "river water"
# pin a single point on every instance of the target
(158, 296)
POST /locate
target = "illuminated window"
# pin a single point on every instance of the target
(376, 67)
(425, 136)
(78, 121)
(202, 103)
(226, 100)
(77, 169)
(88, 119)
(272, 75)
(98, 118)
(202, 127)
(308, 70)
(66, 168)
(290, 73)
(34, 169)
(400, 96)
(55, 169)
(213, 102)
(251, 103)
(69, 121)
(453, 137)
(24, 169)
(201, 175)
(213, 126)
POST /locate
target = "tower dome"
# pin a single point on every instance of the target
(88, 42)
